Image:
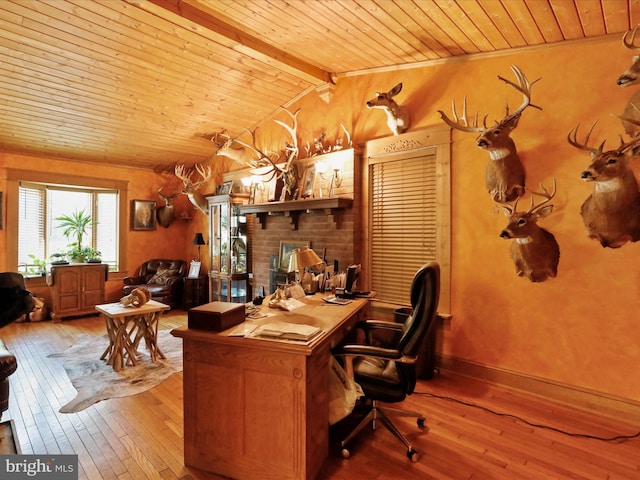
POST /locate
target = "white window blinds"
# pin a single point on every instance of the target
(403, 221)
(31, 224)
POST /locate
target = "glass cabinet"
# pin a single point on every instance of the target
(229, 249)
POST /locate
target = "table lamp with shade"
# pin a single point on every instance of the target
(199, 241)
(302, 258)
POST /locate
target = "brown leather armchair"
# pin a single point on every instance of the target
(8, 365)
(163, 278)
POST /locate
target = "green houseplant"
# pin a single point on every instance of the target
(75, 228)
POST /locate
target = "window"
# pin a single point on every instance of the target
(409, 211)
(38, 234)
(36, 193)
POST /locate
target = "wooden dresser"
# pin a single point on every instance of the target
(76, 288)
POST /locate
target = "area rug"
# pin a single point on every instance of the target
(94, 380)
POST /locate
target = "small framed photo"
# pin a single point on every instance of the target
(143, 215)
(309, 180)
(194, 269)
(286, 249)
(225, 188)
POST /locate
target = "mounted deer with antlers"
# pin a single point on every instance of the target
(397, 116)
(631, 77)
(535, 251)
(164, 215)
(611, 213)
(504, 175)
(191, 189)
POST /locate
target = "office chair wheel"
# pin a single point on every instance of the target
(345, 453)
(420, 422)
(413, 456)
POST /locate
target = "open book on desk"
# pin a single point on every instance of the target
(286, 331)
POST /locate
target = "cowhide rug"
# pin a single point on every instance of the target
(95, 380)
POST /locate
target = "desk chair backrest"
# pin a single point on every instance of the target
(425, 292)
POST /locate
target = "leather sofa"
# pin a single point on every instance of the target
(15, 299)
(163, 278)
(8, 365)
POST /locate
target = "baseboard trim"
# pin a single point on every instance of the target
(604, 404)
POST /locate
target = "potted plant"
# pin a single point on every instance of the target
(38, 266)
(75, 227)
(58, 258)
(91, 255)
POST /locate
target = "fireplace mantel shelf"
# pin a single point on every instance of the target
(293, 208)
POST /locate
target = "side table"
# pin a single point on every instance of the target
(195, 292)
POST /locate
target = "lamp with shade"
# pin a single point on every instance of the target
(302, 258)
(199, 241)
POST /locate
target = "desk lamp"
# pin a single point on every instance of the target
(199, 240)
(301, 258)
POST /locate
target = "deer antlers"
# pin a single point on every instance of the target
(572, 139)
(630, 42)
(462, 123)
(533, 208)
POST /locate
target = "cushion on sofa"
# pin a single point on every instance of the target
(162, 275)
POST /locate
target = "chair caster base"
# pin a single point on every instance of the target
(413, 456)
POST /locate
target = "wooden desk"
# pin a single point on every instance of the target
(258, 408)
(126, 326)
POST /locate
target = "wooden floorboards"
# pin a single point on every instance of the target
(140, 437)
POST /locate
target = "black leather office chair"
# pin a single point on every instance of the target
(387, 373)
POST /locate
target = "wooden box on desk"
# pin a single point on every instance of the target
(215, 316)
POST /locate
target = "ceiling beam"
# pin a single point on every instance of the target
(236, 39)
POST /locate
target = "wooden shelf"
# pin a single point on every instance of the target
(293, 208)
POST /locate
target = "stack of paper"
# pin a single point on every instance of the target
(287, 331)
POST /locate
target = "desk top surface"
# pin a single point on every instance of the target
(315, 312)
(117, 310)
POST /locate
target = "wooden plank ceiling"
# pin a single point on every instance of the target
(148, 82)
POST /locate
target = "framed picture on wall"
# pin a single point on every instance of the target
(225, 188)
(143, 215)
(309, 180)
(286, 248)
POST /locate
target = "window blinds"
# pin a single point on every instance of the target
(403, 222)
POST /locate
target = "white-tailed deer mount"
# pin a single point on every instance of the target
(611, 214)
(535, 251)
(397, 116)
(190, 188)
(504, 174)
(631, 77)
(165, 215)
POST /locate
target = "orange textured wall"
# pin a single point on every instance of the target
(579, 328)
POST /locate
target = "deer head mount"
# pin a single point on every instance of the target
(164, 215)
(535, 251)
(397, 116)
(504, 174)
(631, 114)
(190, 188)
(611, 214)
(632, 75)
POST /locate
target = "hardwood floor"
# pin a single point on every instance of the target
(140, 437)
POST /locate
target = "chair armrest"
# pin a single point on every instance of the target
(8, 362)
(373, 324)
(135, 280)
(173, 279)
(367, 350)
